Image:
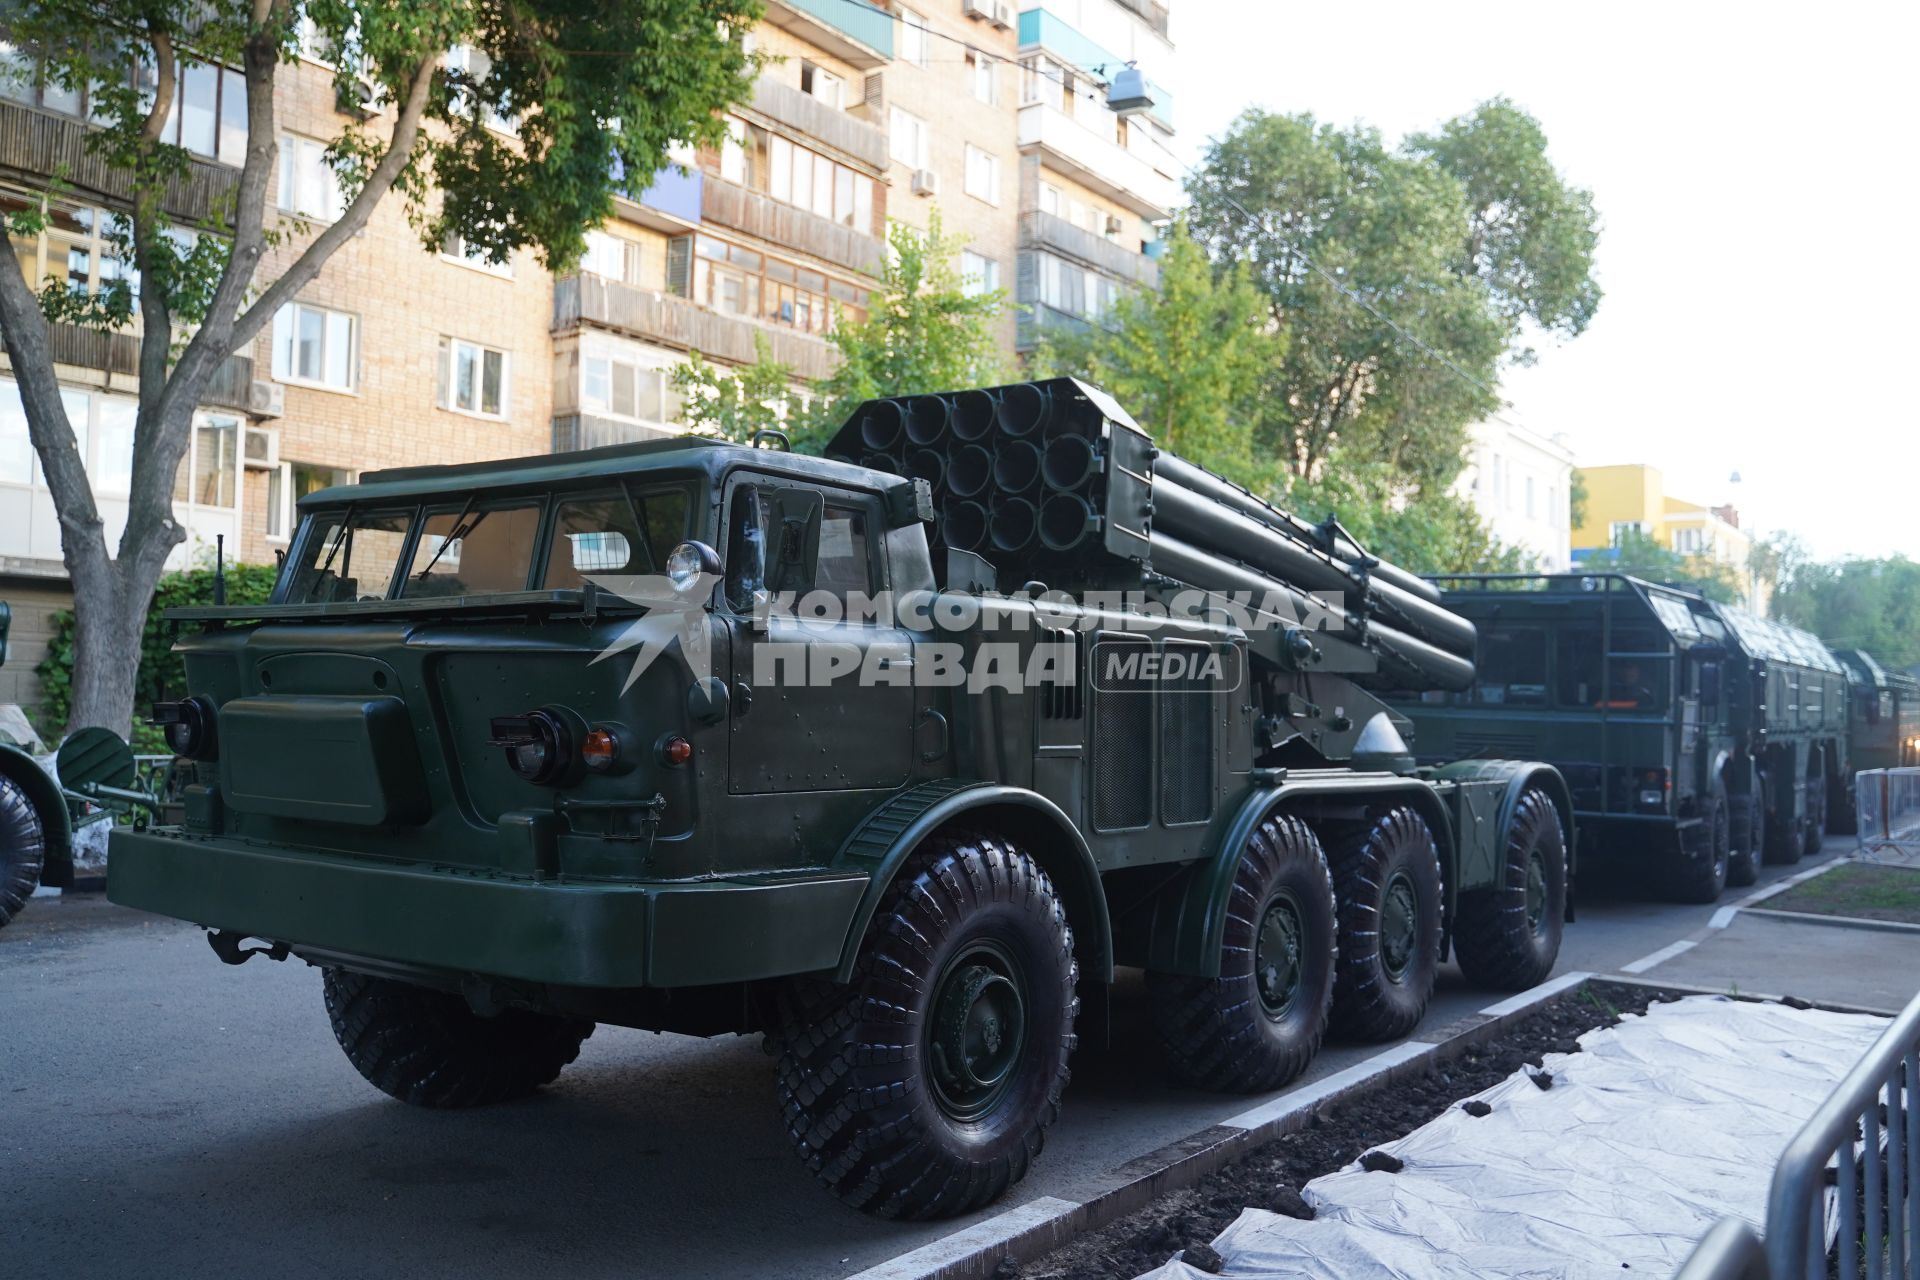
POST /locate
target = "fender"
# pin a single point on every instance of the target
(1188, 923)
(1717, 768)
(889, 835)
(1518, 777)
(26, 772)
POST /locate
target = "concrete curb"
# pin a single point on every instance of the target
(1836, 922)
(1755, 997)
(1039, 1226)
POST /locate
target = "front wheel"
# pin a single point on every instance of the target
(429, 1048)
(23, 848)
(1258, 1024)
(1701, 874)
(1507, 937)
(1746, 838)
(924, 1087)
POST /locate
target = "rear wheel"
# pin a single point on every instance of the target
(1386, 880)
(1701, 874)
(1816, 832)
(1507, 937)
(23, 848)
(1786, 838)
(1746, 829)
(1259, 1023)
(924, 1087)
(429, 1048)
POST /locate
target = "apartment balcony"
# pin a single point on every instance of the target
(37, 145)
(731, 205)
(1044, 29)
(1097, 162)
(586, 299)
(119, 353)
(853, 30)
(1047, 231)
(1151, 12)
(573, 431)
(855, 139)
(1036, 318)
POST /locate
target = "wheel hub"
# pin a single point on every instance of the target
(977, 1032)
(1276, 956)
(1399, 926)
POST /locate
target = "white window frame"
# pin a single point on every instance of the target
(827, 86)
(285, 327)
(644, 363)
(907, 138)
(914, 37)
(476, 63)
(983, 76)
(461, 255)
(290, 196)
(480, 351)
(978, 273)
(989, 168)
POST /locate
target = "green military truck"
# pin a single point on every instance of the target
(1883, 726)
(1697, 739)
(894, 760)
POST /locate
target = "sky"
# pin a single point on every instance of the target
(1757, 172)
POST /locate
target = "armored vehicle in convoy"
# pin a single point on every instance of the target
(893, 755)
(1883, 725)
(1697, 739)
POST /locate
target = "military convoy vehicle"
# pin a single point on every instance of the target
(1883, 726)
(433, 766)
(1698, 739)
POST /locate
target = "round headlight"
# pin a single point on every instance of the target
(190, 727)
(688, 562)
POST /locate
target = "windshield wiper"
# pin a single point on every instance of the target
(454, 534)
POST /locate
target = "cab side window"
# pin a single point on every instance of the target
(846, 561)
(786, 541)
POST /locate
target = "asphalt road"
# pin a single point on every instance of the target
(166, 1115)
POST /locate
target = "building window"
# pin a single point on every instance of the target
(737, 281)
(908, 138)
(983, 76)
(1051, 199)
(913, 38)
(797, 176)
(316, 348)
(612, 258)
(818, 82)
(473, 67)
(978, 273)
(308, 185)
(458, 249)
(1072, 290)
(289, 482)
(102, 431)
(208, 116)
(214, 461)
(1044, 80)
(983, 175)
(473, 378)
(622, 381)
(1618, 531)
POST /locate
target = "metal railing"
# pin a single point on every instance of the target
(1888, 812)
(1852, 1175)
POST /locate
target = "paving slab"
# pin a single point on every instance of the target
(1861, 968)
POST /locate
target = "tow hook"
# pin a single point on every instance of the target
(226, 945)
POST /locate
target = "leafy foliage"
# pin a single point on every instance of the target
(1184, 359)
(1646, 557)
(162, 673)
(717, 401)
(1430, 532)
(1854, 604)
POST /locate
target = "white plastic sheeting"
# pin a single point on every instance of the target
(1663, 1125)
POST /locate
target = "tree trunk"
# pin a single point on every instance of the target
(109, 616)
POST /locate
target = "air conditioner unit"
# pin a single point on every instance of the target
(1003, 15)
(262, 448)
(926, 182)
(872, 106)
(1113, 225)
(266, 399)
(979, 10)
(362, 95)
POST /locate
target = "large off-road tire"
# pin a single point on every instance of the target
(1258, 1024)
(924, 1087)
(1386, 882)
(1701, 876)
(1786, 840)
(429, 1048)
(23, 848)
(1816, 832)
(1746, 835)
(1843, 807)
(1507, 938)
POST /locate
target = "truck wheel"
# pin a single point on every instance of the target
(1746, 825)
(1259, 1023)
(1386, 880)
(1508, 937)
(1816, 814)
(429, 1048)
(1702, 875)
(23, 848)
(1786, 842)
(924, 1087)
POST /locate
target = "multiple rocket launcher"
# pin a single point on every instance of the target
(1052, 480)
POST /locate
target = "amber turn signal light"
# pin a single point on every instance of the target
(675, 750)
(600, 749)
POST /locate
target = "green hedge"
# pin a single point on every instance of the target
(162, 674)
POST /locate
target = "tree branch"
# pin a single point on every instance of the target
(166, 68)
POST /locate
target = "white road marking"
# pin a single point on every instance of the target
(1000, 1228)
(1724, 916)
(1661, 956)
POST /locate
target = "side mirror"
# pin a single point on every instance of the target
(6, 618)
(793, 540)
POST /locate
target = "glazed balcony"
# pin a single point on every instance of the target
(728, 204)
(1047, 231)
(802, 112)
(670, 321)
(35, 145)
(853, 30)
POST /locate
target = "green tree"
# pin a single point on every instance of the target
(1577, 498)
(1644, 556)
(717, 400)
(592, 90)
(1435, 531)
(1183, 358)
(1871, 604)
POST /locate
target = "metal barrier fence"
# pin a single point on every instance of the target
(1888, 804)
(1847, 1188)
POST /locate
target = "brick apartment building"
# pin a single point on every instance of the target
(995, 111)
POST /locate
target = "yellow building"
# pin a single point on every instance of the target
(1632, 498)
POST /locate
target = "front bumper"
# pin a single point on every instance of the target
(584, 934)
(1626, 838)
